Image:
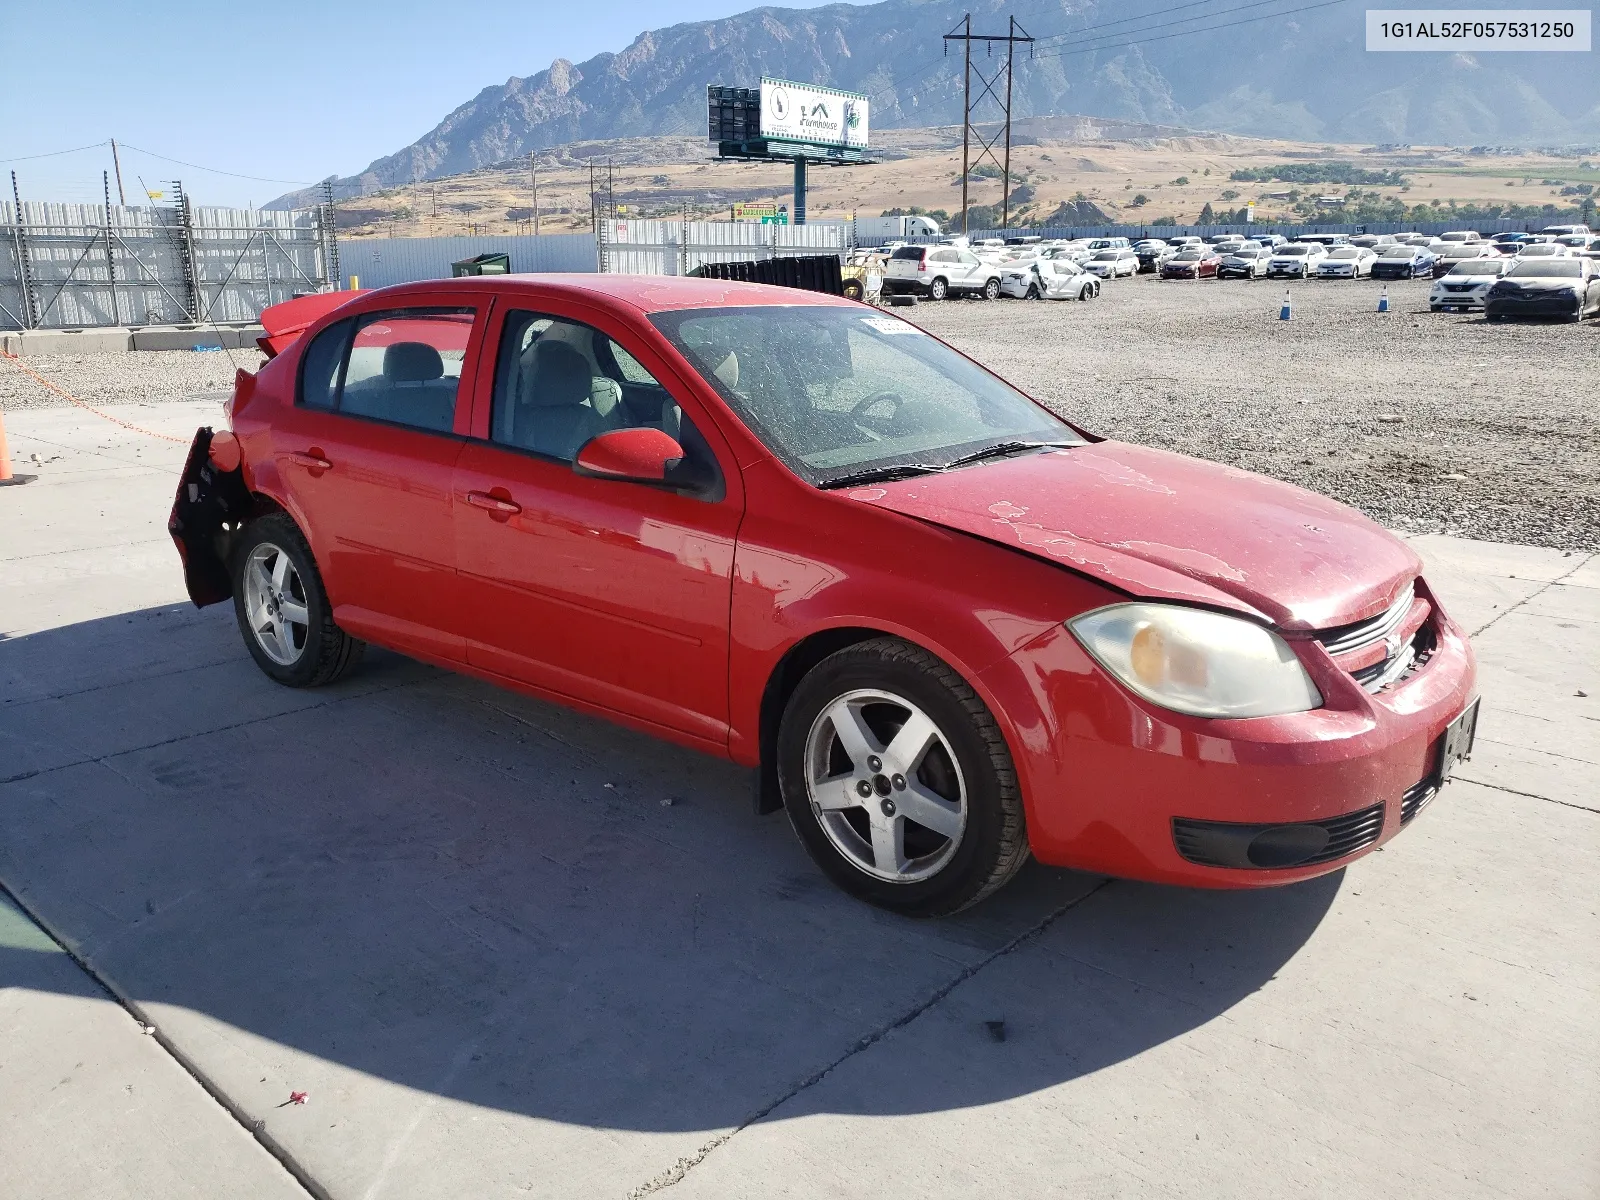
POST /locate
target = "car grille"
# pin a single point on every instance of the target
(1225, 844)
(1416, 797)
(1459, 287)
(1346, 639)
(1403, 658)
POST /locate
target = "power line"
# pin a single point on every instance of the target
(214, 170)
(56, 153)
(1160, 12)
(1193, 32)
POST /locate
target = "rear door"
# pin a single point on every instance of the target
(367, 453)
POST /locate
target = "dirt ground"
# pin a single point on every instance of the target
(1426, 421)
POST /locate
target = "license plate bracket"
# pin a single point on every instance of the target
(1456, 745)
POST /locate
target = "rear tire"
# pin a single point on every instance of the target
(283, 609)
(991, 289)
(938, 290)
(1032, 293)
(838, 737)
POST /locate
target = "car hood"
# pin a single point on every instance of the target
(1162, 525)
(1539, 283)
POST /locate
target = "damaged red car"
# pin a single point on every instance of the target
(946, 627)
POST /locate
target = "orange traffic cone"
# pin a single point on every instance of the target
(6, 477)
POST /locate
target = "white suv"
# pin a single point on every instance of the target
(940, 271)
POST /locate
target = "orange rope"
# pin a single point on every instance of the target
(66, 395)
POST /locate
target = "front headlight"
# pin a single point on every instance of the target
(1197, 662)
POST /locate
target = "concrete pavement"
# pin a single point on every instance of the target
(466, 925)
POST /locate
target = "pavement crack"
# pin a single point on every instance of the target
(1583, 562)
(679, 1170)
(253, 1126)
(1531, 795)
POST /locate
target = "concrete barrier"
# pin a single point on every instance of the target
(121, 341)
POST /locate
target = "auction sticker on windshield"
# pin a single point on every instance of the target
(890, 325)
(1481, 29)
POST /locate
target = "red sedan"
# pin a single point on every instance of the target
(945, 627)
(1197, 262)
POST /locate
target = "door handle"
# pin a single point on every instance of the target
(493, 504)
(312, 460)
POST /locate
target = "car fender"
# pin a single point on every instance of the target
(883, 572)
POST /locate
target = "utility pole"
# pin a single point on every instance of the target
(111, 255)
(611, 188)
(116, 162)
(533, 174)
(963, 33)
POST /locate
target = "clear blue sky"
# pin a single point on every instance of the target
(292, 90)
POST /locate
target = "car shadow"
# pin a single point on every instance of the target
(481, 896)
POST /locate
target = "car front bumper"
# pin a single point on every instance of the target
(1550, 304)
(1115, 785)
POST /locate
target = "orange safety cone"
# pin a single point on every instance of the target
(7, 479)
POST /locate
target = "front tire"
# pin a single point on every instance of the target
(898, 781)
(283, 609)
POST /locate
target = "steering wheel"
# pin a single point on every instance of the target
(862, 405)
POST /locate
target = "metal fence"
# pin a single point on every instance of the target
(82, 266)
(381, 262)
(656, 247)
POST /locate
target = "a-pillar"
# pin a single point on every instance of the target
(797, 211)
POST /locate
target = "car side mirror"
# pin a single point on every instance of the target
(644, 455)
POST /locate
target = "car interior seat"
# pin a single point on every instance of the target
(555, 412)
(412, 389)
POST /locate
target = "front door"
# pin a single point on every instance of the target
(367, 455)
(609, 592)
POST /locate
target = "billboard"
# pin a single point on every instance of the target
(799, 112)
(767, 214)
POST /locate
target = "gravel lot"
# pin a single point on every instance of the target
(148, 377)
(1428, 422)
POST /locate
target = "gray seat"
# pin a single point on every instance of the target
(554, 414)
(412, 390)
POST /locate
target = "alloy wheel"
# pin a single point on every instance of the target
(275, 602)
(885, 786)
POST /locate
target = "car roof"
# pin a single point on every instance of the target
(646, 293)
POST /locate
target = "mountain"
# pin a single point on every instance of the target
(1305, 76)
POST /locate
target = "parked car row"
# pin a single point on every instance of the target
(1467, 266)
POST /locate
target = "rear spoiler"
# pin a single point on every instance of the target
(284, 323)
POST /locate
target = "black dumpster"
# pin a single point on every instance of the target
(810, 272)
(482, 264)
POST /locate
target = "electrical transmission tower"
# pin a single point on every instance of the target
(989, 87)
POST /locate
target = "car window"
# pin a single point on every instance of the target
(559, 383)
(402, 366)
(319, 368)
(832, 392)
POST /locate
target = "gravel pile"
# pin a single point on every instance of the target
(146, 377)
(1425, 421)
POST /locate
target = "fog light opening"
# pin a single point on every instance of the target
(1287, 845)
